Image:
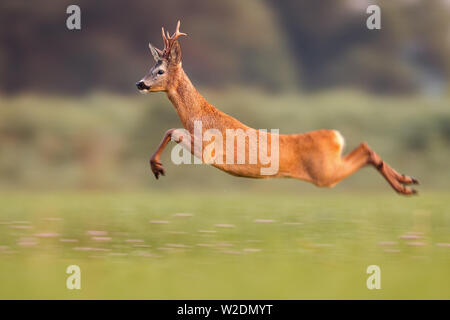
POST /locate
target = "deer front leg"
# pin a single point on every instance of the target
(156, 166)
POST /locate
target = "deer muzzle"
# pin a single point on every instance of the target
(142, 86)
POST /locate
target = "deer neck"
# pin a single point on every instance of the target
(188, 102)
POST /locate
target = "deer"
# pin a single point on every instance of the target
(314, 156)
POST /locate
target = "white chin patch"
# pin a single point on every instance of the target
(144, 91)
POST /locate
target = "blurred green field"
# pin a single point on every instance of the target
(181, 245)
(102, 141)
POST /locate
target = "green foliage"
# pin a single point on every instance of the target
(276, 45)
(228, 42)
(103, 141)
(334, 48)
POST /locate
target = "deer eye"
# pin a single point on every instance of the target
(161, 72)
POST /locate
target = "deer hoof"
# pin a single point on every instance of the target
(407, 191)
(404, 179)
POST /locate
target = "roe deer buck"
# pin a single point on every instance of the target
(313, 156)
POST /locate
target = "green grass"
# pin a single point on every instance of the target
(228, 246)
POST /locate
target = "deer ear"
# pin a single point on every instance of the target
(155, 52)
(175, 53)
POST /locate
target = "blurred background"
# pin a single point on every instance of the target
(71, 117)
(76, 137)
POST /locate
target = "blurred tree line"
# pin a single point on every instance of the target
(272, 44)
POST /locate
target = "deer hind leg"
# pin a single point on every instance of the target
(363, 155)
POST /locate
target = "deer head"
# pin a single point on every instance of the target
(168, 62)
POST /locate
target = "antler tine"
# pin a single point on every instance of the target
(169, 40)
(166, 41)
(177, 32)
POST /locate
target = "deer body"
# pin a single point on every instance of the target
(297, 149)
(314, 156)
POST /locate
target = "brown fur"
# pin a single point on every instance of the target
(313, 156)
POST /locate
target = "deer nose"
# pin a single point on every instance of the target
(141, 85)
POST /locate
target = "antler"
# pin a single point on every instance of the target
(170, 40)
